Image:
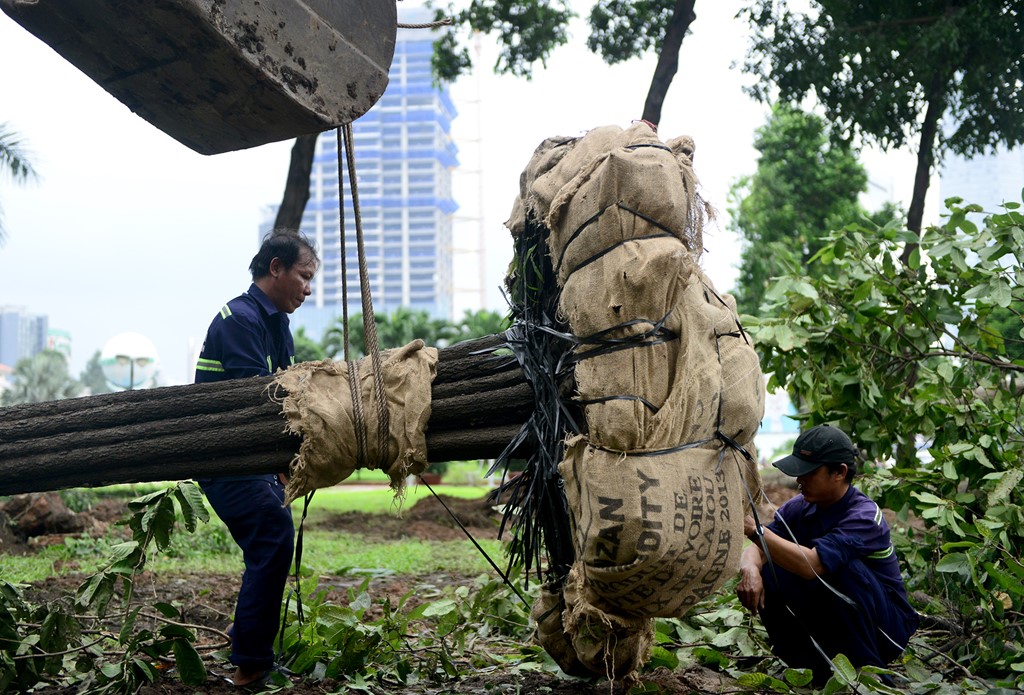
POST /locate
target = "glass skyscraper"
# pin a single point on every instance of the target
(404, 156)
(22, 335)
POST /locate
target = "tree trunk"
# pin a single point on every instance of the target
(926, 154)
(296, 187)
(668, 59)
(233, 427)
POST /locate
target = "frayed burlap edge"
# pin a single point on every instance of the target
(316, 400)
(604, 642)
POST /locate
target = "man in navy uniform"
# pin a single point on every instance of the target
(833, 582)
(250, 337)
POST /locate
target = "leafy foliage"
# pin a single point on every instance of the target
(911, 359)
(875, 67)
(42, 378)
(528, 31)
(802, 186)
(435, 639)
(405, 325)
(343, 643)
(92, 377)
(307, 349)
(14, 162)
(891, 72)
(58, 643)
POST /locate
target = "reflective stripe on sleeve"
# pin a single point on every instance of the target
(225, 311)
(270, 365)
(882, 554)
(205, 365)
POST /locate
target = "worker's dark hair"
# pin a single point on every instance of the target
(851, 469)
(285, 244)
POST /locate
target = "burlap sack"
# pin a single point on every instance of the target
(547, 155)
(318, 406)
(605, 642)
(635, 191)
(550, 632)
(681, 391)
(743, 387)
(653, 534)
(658, 488)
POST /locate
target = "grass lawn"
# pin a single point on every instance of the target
(325, 552)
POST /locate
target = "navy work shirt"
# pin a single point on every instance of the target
(250, 337)
(852, 528)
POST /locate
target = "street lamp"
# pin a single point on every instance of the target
(128, 360)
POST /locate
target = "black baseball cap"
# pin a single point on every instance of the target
(816, 447)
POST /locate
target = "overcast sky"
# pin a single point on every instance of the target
(128, 230)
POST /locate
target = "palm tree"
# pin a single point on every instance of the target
(477, 324)
(41, 378)
(402, 326)
(13, 160)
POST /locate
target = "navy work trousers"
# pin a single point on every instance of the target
(872, 631)
(254, 512)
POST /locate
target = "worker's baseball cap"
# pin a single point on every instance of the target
(816, 447)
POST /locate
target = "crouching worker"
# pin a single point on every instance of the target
(250, 337)
(830, 581)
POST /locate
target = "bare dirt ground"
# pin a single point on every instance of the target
(207, 600)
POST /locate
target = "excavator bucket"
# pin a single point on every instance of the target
(221, 75)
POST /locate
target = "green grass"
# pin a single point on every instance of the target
(334, 500)
(211, 550)
(340, 553)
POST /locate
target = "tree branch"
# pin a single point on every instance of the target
(296, 187)
(668, 59)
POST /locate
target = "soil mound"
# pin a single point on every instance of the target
(428, 519)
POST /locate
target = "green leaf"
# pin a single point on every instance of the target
(928, 498)
(762, 682)
(1007, 483)
(190, 665)
(661, 657)
(147, 500)
(1001, 294)
(438, 608)
(914, 260)
(159, 520)
(128, 626)
(954, 563)
(168, 631)
(167, 610)
(1005, 580)
(96, 592)
(190, 501)
(844, 668)
(707, 656)
(798, 677)
(949, 470)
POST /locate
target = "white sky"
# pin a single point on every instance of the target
(128, 230)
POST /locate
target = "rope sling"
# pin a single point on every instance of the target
(344, 138)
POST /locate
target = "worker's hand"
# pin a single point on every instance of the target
(749, 526)
(750, 589)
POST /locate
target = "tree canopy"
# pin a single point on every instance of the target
(893, 72)
(803, 187)
(14, 161)
(307, 349)
(404, 325)
(39, 379)
(92, 377)
(912, 360)
(528, 31)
